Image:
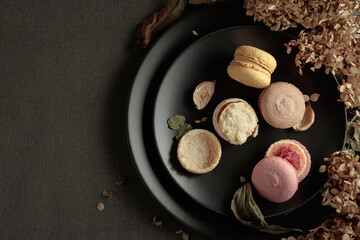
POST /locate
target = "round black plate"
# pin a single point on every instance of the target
(206, 60)
(141, 138)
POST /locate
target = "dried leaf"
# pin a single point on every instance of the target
(184, 128)
(159, 20)
(176, 121)
(248, 213)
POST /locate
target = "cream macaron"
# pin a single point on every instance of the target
(199, 151)
(282, 105)
(252, 66)
(235, 120)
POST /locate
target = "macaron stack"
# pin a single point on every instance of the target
(276, 177)
(252, 66)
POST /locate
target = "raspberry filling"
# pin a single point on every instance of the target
(291, 155)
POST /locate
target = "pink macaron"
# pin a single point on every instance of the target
(282, 105)
(295, 153)
(275, 179)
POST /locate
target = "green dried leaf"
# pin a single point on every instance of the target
(120, 180)
(276, 229)
(244, 206)
(349, 128)
(171, 12)
(248, 212)
(176, 121)
(356, 135)
(184, 128)
(355, 146)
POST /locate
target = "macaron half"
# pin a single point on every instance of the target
(199, 151)
(252, 66)
(282, 105)
(235, 120)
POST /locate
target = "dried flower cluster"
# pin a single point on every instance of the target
(332, 42)
(281, 15)
(344, 173)
(343, 194)
(334, 45)
(331, 229)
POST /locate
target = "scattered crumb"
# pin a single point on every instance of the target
(322, 169)
(195, 33)
(179, 231)
(107, 194)
(100, 206)
(242, 179)
(314, 97)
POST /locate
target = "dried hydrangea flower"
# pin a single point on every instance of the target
(344, 173)
(314, 97)
(281, 15)
(156, 222)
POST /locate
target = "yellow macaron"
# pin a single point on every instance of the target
(252, 66)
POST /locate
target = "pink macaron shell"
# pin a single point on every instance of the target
(308, 161)
(275, 179)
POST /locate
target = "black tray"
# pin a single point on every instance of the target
(141, 133)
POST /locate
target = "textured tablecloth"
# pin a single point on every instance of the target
(66, 68)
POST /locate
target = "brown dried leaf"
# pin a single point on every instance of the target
(159, 20)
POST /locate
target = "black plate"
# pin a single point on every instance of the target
(207, 59)
(142, 141)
